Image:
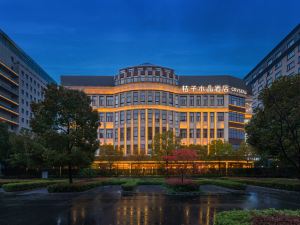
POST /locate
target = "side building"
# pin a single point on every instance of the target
(141, 101)
(283, 60)
(22, 81)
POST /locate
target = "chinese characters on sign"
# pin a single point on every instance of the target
(211, 88)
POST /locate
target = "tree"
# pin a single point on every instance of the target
(4, 144)
(245, 151)
(201, 150)
(183, 157)
(67, 125)
(164, 144)
(26, 151)
(220, 150)
(274, 130)
(110, 154)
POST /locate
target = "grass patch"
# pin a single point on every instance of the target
(130, 185)
(75, 187)
(277, 183)
(248, 217)
(223, 183)
(28, 185)
(151, 181)
(114, 181)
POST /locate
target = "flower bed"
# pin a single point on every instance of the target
(258, 217)
(177, 185)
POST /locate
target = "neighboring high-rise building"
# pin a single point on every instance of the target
(283, 60)
(144, 100)
(22, 81)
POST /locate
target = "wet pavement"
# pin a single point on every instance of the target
(107, 205)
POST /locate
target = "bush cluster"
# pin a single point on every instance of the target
(27, 185)
(248, 217)
(177, 185)
(223, 183)
(75, 187)
(284, 184)
(130, 185)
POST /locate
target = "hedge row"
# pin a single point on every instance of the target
(223, 183)
(248, 217)
(27, 185)
(271, 183)
(75, 187)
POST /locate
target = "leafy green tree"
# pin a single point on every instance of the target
(245, 152)
(4, 144)
(220, 150)
(164, 144)
(274, 130)
(110, 154)
(26, 151)
(67, 125)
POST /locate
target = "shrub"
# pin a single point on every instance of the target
(75, 187)
(27, 185)
(177, 185)
(151, 181)
(285, 184)
(129, 185)
(114, 181)
(248, 217)
(276, 219)
(87, 172)
(223, 183)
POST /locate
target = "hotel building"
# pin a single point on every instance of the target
(141, 101)
(22, 81)
(283, 60)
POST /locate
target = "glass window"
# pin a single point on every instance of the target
(220, 100)
(109, 133)
(212, 133)
(220, 116)
(122, 99)
(198, 100)
(128, 116)
(198, 116)
(170, 99)
(135, 132)
(150, 97)
(142, 115)
(192, 100)
(205, 116)
(135, 114)
(183, 117)
(149, 117)
(192, 117)
(128, 133)
(94, 100)
(198, 133)
(109, 117)
(183, 133)
(101, 101)
(101, 133)
(212, 100)
(157, 97)
(205, 133)
(135, 98)
(290, 55)
(101, 117)
(117, 100)
(122, 117)
(183, 100)
(192, 134)
(157, 116)
(205, 100)
(128, 98)
(109, 100)
(220, 133)
(142, 97)
(235, 100)
(164, 116)
(290, 66)
(164, 98)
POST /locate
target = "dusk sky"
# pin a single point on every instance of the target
(96, 37)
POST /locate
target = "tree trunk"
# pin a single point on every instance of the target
(70, 173)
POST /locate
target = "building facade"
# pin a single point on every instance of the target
(22, 81)
(283, 60)
(144, 100)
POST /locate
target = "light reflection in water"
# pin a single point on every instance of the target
(146, 210)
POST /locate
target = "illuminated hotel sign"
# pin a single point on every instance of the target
(211, 88)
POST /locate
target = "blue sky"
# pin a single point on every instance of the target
(194, 37)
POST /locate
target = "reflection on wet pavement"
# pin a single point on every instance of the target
(107, 205)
